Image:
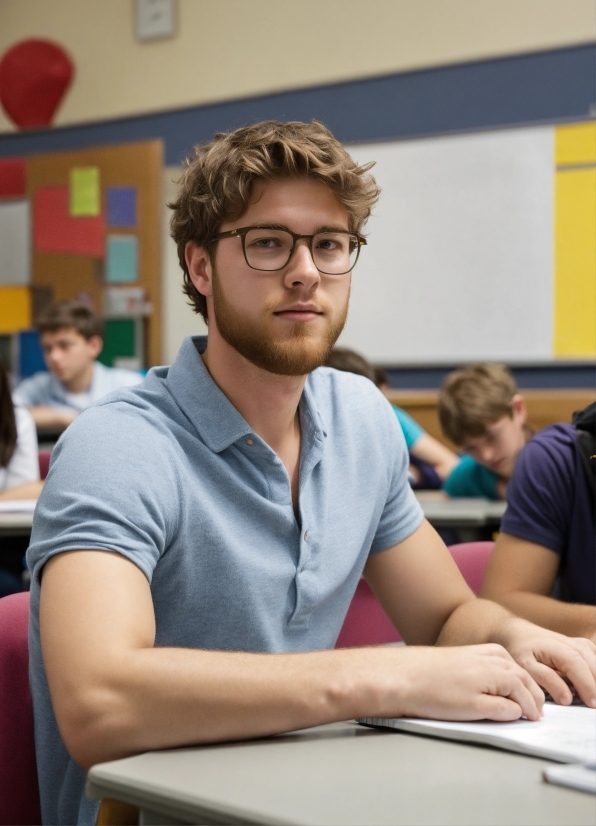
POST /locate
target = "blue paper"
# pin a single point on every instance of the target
(122, 206)
(122, 259)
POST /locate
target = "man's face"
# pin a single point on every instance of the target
(68, 354)
(499, 448)
(285, 322)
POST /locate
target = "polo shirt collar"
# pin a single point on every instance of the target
(214, 417)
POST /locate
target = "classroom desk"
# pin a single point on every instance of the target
(339, 774)
(15, 524)
(470, 518)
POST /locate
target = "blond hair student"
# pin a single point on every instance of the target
(483, 413)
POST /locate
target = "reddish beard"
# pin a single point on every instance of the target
(299, 353)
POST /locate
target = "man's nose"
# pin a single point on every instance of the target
(301, 269)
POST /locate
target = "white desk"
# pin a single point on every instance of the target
(461, 512)
(15, 524)
(339, 774)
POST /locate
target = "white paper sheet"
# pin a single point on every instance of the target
(566, 734)
(18, 506)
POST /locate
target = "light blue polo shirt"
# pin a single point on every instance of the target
(171, 476)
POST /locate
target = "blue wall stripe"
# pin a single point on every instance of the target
(550, 375)
(542, 87)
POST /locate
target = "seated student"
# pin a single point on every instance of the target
(189, 583)
(19, 478)
(432, 454)
(544, 561)
(71, 340)
(482, 412)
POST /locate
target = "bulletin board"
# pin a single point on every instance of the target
(115, 240)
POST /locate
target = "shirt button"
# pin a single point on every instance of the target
(249, 442)
(306, 536)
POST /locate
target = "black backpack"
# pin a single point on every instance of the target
(584, 422)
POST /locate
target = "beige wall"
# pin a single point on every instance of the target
(234, 48)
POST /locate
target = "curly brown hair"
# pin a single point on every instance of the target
(218, 177)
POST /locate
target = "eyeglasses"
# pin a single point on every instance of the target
(270, 248)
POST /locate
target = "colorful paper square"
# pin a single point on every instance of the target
(12, 178)
(85, 196)
(55, 230)
(122, 259)
(121, 206)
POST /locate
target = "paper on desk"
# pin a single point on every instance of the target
(566, 734)
(18, 505)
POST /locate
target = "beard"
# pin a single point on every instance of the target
(300, 352)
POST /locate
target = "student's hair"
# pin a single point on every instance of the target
(341, 358)
(70, 314)
(473, 398)
(218, 178)
(8, 423)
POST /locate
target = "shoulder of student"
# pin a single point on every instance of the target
(33, 390)
(342, 394)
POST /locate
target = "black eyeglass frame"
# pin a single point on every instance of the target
(241, 233)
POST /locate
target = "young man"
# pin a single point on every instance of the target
(71, 340)
(482, 412)
(188, 588)
(544, 562)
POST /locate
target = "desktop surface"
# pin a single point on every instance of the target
(340, 774)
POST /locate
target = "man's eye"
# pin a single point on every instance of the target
(265, 243)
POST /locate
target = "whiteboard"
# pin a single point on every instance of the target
(15, 242)
(459, 264)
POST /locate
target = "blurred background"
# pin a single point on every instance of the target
(480, 116)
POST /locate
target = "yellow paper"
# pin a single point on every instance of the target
(15, 309)
(575, 263)
(85, 196)
(575, 144)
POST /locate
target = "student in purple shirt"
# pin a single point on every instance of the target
(548, 542)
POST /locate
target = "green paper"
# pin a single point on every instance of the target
(85, 198)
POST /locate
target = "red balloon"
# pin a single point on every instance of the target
(34, 76)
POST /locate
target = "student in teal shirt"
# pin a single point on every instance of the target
(483, 413)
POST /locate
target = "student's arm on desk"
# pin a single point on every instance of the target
(521, 574)
(432, 451)
(424, 595)
(45, 416)
(115, 694)
(28, 490)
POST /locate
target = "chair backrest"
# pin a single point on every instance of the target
(44, 462)
(19, 798)
(471, 559)
(366, 622)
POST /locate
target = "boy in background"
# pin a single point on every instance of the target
(483, 413)
(71, 338)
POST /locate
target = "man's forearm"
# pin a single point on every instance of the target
(473, 623)
(565, 617)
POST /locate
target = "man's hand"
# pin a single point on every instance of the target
(549, 657)
(473, 682)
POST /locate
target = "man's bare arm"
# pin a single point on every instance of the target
(46, 416)
(521, 575)
(114, 693)
(436, 454)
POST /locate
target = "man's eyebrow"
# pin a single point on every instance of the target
(331, 228)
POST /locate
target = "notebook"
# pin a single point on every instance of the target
(566, 734)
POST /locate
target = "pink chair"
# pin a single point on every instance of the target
(44, 462)
(471, 559)
(366, 623)
(19, 798)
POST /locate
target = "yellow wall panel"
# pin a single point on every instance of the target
(15, 309)
(575, 263)
(575, 144)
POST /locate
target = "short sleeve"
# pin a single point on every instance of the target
(470, 478)
(106, 491)
(29, 392)
(540, 495)
(411, 429)
(24, 464)
(402, 513)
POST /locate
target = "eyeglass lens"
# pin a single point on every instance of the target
(334, 253)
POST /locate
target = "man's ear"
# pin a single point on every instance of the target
(200, 268)
(518, 405)
(96, 345)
